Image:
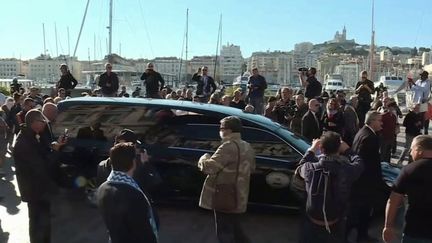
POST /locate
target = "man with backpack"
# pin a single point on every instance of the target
(328, 178)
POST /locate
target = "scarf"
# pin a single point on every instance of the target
(118, 177)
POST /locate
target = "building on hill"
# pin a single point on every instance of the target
(341, 37)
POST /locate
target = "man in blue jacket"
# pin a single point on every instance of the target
(257, 85)
(328, 179)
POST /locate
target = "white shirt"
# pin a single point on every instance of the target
(421, 91)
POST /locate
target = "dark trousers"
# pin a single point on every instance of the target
(39, 221)
(153, 95)
(229, 229)
(258, 104)
(426, 126)
(359, 217)
(386, 149)
(363, 108)
(313, 233)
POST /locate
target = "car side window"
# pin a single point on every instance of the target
(267, 144)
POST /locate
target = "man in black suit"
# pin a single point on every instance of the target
(125, 208)
(311, 127)
(32, 163)
(366, 189)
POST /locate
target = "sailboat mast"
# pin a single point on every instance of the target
(44, 42)
(110, 28)
(372, 46)
(217, 46)
(55, 30)
(81, 28)
(187, 33)
(68, 41)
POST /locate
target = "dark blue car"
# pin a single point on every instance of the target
(176, 134)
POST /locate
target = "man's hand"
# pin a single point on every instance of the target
(56, 146)
(388, 234)
(343, 147)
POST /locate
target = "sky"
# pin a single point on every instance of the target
(148, 29)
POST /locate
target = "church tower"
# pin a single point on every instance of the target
(344, 36)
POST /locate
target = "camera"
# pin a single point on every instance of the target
(303, 69)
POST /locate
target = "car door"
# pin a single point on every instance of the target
(276, 161)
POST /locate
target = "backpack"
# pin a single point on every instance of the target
(327, 193)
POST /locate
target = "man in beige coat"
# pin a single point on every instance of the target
(221, 168)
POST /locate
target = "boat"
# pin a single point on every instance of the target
(334, 82)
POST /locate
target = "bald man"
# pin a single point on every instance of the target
(50, 112)
(311, 126)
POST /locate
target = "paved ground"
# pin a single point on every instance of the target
(74, 221)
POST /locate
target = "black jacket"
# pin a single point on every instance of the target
(309, 127)
(109, 84)
(67, 82)
(412, 123)
(366, 144)
(33, 163)
(201, 89)
(151, 81)
(125, 212)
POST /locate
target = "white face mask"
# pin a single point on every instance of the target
(221, 134)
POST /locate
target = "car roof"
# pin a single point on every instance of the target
(202, 108)
(170, 104)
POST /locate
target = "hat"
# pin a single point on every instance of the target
(128, 136)
(424, 73)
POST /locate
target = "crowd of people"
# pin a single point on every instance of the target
(341, 171)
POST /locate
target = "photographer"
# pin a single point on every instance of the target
(312, 86)
(284, 108)
(151, 80)
(364, 89)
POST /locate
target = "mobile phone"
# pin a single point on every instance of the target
(65, 135)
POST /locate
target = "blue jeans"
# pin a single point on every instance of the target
(409, 239)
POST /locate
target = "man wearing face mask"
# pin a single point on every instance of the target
(151, 80)
(231, 164)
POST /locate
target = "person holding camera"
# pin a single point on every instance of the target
(284, 109)
(364, 89)
(308, 80)
(151, 80)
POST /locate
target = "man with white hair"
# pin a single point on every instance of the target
(151, 80)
